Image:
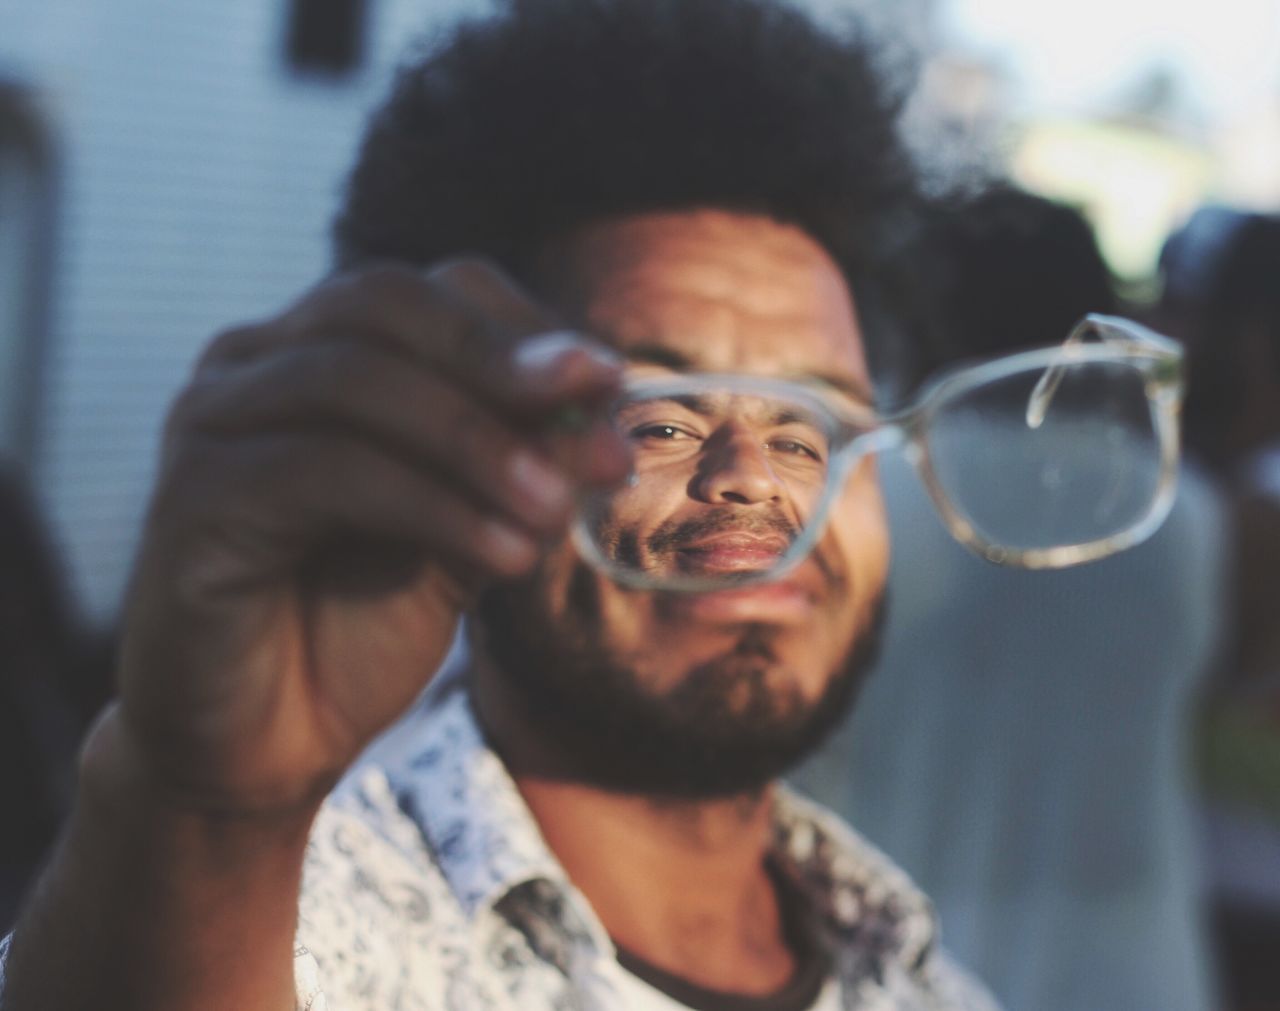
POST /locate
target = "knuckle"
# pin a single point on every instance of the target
(375, 293)
(196, 403)
(411, 310)
(464, 272)
(384, 275)
(385, 280)
(230, 344)
(186, 407)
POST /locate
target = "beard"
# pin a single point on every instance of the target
(725, 729)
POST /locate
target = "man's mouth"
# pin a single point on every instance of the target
(731, 551)
(733, 556)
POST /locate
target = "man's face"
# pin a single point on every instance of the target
(705, 292)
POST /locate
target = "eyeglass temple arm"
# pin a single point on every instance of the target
(1108, 328)
(1042, 396)
(1119, 330)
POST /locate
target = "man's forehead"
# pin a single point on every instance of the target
(713, 291)
(665, 358)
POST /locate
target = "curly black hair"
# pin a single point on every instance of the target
(1012, 270)
(554, 113)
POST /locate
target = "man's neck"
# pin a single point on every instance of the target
(681, 884)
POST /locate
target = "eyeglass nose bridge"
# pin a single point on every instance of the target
(887, 436)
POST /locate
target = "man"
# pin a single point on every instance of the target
(587, 817)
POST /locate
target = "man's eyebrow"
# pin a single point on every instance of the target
(658, 354)
(677, 361)
(854, 389)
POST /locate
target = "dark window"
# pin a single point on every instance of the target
(326, 36)
(26, 232)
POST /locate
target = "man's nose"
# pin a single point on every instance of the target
(735, 468)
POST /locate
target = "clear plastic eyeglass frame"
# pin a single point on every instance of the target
(856, 432)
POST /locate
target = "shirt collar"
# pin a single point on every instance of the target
(865, 902)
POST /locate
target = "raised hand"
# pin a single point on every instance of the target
(337, 483)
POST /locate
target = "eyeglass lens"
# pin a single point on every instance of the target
(1089, 469)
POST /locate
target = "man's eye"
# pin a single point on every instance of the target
(660, 433)
(794, 447)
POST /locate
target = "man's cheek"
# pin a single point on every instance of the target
(649, 630)
(620, 520)
(859, 529)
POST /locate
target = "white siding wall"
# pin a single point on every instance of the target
(198, 179)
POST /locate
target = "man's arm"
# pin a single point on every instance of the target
(337, 485)
(148, 905)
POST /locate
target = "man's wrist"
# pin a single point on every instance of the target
(118, 787)
(202, 902)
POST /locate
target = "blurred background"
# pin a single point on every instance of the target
(168, 168)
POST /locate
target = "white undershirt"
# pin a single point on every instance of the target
(637, 995)
(1263, 471)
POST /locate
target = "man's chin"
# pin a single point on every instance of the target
(731, 724)
(784, 603)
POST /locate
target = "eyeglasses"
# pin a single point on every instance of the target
(1041, 459)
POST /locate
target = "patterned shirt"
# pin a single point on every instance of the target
(427, 885)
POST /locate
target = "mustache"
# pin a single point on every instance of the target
(674, 535)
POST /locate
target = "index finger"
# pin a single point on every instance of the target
(463, 318)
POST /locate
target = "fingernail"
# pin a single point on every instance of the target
(507, 548)
(537, 483)
(538, 355)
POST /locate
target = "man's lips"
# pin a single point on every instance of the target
(731, 551)
(735, 554)
(738, 552)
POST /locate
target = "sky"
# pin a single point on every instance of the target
(1068, 57)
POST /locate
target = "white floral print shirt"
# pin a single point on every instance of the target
(428, 886)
